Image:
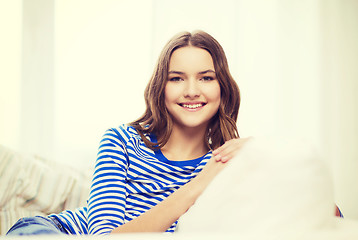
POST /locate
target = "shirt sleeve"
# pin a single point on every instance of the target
(338, 212)
(107, 199)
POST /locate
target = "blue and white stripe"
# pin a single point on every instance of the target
(129, 179)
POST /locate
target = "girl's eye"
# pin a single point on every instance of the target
(207, 78)
(175, 79)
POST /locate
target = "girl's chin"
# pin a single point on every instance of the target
(191, 125)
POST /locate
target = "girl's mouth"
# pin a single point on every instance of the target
(192, 106)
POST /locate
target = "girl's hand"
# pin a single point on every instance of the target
(229, 149)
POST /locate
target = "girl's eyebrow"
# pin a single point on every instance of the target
(202, 72)
(176, 72)
(207, 71)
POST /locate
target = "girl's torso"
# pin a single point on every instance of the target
(139, 177)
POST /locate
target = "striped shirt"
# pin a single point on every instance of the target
(129, 178)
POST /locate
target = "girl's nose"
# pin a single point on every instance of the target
(192, 89)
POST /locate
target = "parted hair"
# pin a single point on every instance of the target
(156, 118)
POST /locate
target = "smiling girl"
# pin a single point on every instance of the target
(150, 172)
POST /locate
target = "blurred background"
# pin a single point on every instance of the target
(70, 69)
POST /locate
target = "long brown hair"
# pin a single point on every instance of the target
(156, 118)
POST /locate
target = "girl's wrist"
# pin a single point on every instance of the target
(204, 178)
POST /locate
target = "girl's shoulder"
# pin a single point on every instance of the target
(126, 133)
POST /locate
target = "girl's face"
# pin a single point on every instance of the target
(192, 92)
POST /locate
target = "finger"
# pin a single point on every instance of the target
(225, 159)
(222, 147)
(218, 150)
(224, 156)
(230, 150)
(217, 157)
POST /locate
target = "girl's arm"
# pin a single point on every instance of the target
(163, 215)
(107, 199)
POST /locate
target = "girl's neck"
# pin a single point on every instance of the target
(185, 144)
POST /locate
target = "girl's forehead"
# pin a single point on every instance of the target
(191, 58)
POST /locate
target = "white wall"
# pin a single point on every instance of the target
(37, 79)
(339, 61)
(103, 56)
(10, 72)
(295, 63)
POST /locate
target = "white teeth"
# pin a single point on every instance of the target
(192, 105)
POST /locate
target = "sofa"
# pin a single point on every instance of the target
(31, 185)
